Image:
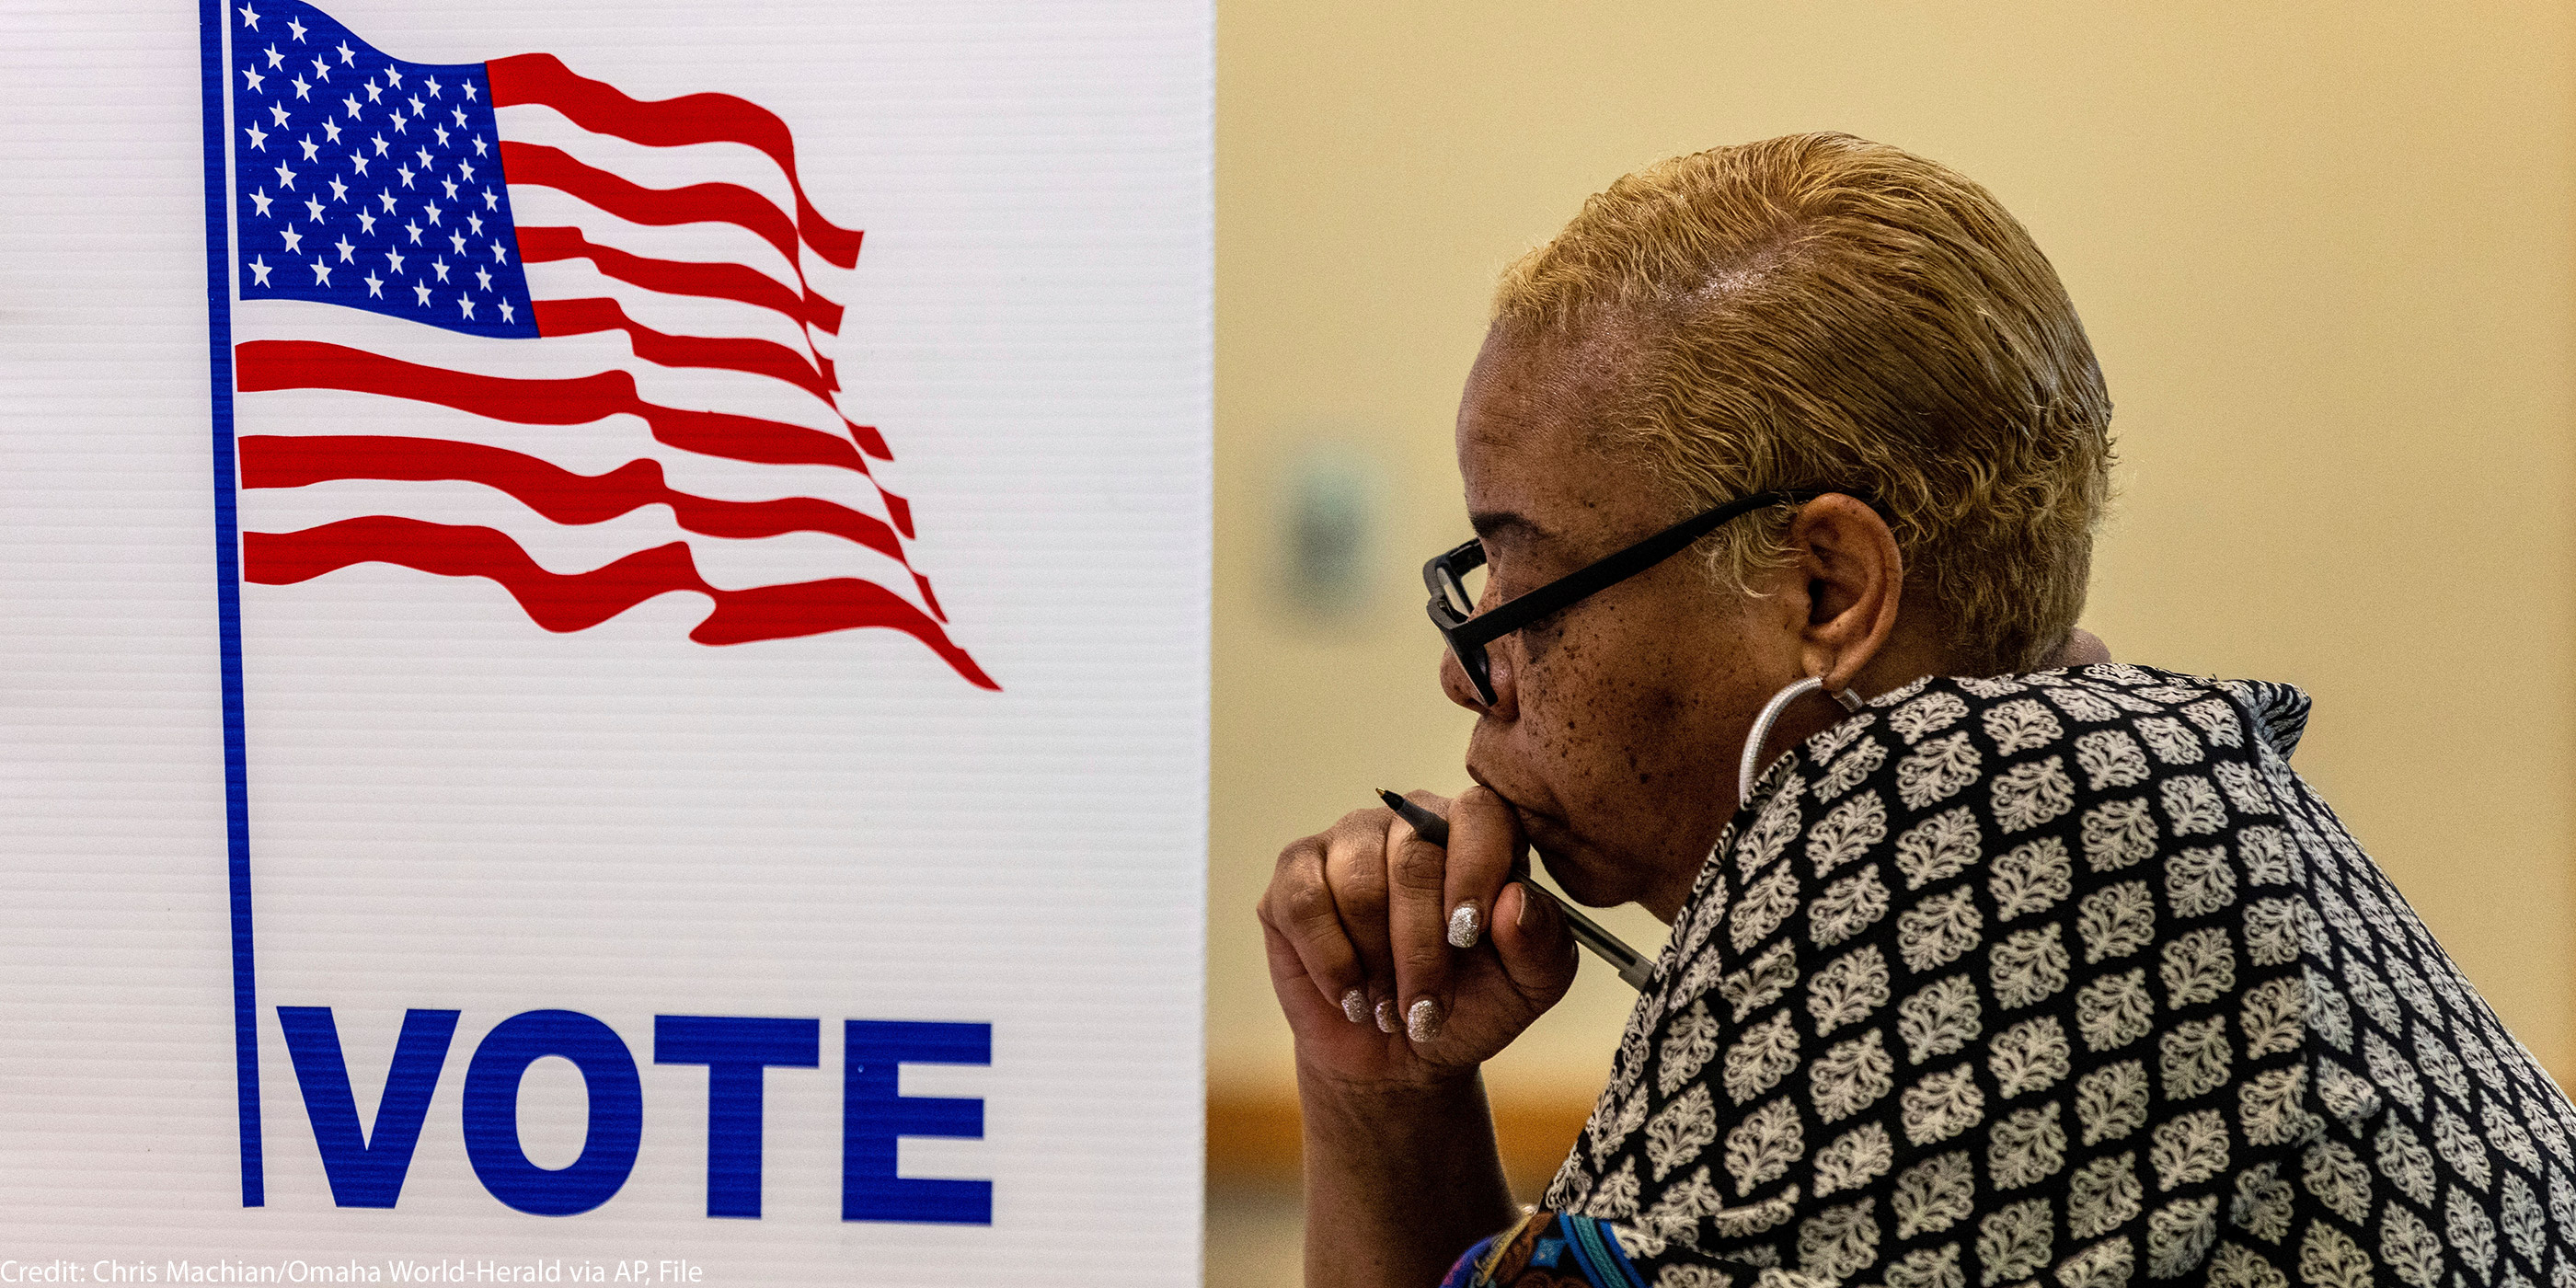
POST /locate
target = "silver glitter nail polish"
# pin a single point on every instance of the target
(1465, 922)
(1355, 1007)
(1422, 1023)
(1386, 1017)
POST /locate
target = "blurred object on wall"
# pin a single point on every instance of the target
(1331, 560)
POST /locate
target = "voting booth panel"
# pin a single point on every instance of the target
(696, 526)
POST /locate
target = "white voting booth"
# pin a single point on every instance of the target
(607, 665)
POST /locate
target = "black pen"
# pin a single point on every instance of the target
(1631, 966)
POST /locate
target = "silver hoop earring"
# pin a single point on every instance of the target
(1770, 715)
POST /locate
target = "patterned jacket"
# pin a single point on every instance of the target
(2060, 978)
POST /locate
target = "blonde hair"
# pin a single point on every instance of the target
(1820, 311)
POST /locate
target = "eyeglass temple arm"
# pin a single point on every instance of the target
(1616, 568)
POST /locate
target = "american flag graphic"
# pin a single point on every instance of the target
(499, 320)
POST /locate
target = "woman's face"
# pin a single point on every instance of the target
(1617, 722)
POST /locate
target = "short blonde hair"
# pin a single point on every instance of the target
(1820, 311)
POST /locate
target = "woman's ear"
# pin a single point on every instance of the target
(1854, 578)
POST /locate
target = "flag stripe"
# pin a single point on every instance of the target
(542, 79)
(738, 282)
(311, 364)
(577, 601)
(726, 353)
(699, 203)
(285, 461)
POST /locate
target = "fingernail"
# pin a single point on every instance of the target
(1529, 898)
(1386, 1017)
(1422, 1023)
(1355, 1006)
(1464, 923)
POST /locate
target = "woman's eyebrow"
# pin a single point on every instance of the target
(1492, 525)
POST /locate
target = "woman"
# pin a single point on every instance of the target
(1986, 969)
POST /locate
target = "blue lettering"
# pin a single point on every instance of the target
(873, 1116)
(492, 1112)
(735, 1051)
(366, 1169)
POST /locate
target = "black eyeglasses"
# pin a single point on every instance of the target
(1453, 610)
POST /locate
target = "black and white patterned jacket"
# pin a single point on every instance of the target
(2066, 978)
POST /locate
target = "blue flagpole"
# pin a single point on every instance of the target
(219, 346)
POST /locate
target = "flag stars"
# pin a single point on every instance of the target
(393, 261)
(312, 150)
(358, 162)
(375, 287)
(293, 239)
(260, 199)
(259, 271)
(314, 204)
(380, 143)
(441, 132)
(460, 114)
(387, 197)
(425, 158)
(465, 170)
(250, 17)
(499, 255)
(258, 137)
(450, 185)
(321, 272)
(348, 56)
(439, 266)
(285, 177)
(321, 70)
(491, 200)
(457, 240)
(415, 102)
(252, 75)
(414, 230)
(399, 122)
(277, 114)
(468, 87)
(303, 88)
(275, 59)
(432, 83)
(330, 130)
(351, 102)
(393, 77)
(478, 145)
(422, 290)
(466, 302)
(474, 224)
(346, 250)
(483, 278)
(297, 29)
(431, 209)
(506, 310)
(339, 190)
(366, 221)
(406, 173)
(375, 92)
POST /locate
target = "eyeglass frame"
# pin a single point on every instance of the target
(1467, 634)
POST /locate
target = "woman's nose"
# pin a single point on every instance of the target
(1461, 690)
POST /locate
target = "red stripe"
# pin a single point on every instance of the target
(738, 282)
(310, 364)
(757, 357)
(696, 118)
(577, 601)
(276, 461)
(699, 203)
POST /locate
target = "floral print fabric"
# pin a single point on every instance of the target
(2063, 978)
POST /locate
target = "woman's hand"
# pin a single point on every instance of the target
(1401, 963)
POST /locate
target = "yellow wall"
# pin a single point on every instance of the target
(2324, 252)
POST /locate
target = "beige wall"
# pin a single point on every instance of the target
(2324, 252)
